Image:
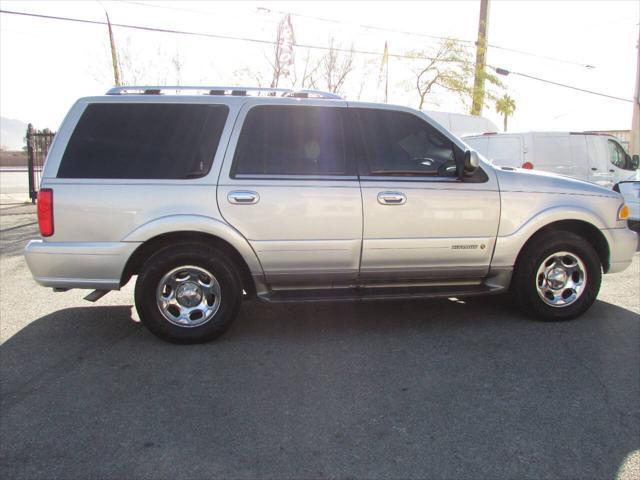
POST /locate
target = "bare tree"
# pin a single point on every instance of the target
(280, 60)
(249, 75)
(309, 77)
(140, 67)
(283, 55)
(178, 63)
(335, 67)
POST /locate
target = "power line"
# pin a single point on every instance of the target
(470, 43)
(467, 43)
(500, 71)
(218, 36)
(166, 7)
(544, 57)
(505, 72)
(299, 15)
(367, 27)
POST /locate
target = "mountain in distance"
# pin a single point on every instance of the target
(12, 134)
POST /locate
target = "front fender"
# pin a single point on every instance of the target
(200, 224)
(508, 246)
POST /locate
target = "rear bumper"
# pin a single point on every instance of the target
(622, 245)
(97, 265)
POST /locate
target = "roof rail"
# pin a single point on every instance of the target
(217, 90)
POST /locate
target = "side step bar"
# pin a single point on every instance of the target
(379, 293)
(96, 295)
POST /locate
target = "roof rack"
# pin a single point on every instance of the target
(216, 90)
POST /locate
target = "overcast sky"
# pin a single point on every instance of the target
(45, 65)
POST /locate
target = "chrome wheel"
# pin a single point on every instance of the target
(188, 296)
(561, 279)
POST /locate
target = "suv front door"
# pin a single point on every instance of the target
(289, 185)
(421, 223)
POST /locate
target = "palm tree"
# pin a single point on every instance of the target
(506, 106)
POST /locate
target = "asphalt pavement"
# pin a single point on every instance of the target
(421, 389)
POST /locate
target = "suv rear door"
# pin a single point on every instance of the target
(289, 185)
(420, 221)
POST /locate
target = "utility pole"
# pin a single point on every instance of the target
(114, 53)
(386, 75)
(383, 75)
(481, 59)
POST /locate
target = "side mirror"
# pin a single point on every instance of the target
(635, 161)
(471, 163)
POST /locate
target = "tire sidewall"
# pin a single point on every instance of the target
(168, 259)
(527, 292)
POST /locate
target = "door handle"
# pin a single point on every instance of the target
(594, 169)
(392, 198)
(243, 197)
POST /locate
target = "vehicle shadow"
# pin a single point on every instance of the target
(455, 389)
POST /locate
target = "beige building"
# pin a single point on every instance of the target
(623, 135)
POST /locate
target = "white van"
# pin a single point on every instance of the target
(589, 156)
(461, 124)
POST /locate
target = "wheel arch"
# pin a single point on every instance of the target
(173, 229)
(151, 246)
(592, 234)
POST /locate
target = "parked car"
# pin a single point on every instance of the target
(593, 157)
(630, 190)
(223, 194)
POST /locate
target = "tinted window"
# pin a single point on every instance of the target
(129, 140)
(292, 140)
(398, 143)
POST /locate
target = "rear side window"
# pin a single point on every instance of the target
(398, 143)
(144, 141)
(292, 140)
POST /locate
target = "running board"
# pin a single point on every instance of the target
(378, 293)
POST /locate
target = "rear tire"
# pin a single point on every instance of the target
(188, 294)
(557, 276)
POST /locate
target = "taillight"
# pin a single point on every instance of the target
(45, 212)
(527, 166)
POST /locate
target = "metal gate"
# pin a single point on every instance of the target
(38, 144)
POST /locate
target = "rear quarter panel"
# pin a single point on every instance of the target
(107, 210)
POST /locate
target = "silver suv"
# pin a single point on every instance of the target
(211, 195)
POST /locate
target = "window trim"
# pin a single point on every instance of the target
(348, 150)
(413, 178)
(249, 176)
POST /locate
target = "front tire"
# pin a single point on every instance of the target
(188, 294)
(557, 276)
